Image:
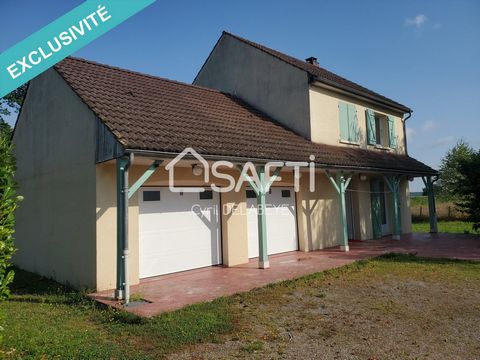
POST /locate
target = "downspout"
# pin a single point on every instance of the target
(126, 251)
(122, 291)
(405, 131)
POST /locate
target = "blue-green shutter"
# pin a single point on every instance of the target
(391, 132)
(353, 134)
(343, 116)
(371, 136)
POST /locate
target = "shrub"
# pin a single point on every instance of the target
(8, 203)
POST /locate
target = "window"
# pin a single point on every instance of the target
(149, 195)
(285, 193)
(251, 194)
(380, 123)
(206, 195)
(380, 129)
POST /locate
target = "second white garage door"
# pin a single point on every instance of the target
(281, 221)
(178, 231)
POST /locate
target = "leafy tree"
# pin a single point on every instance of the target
(468, 188)
(8, 104)
(13, 101)
(5, 129)
(450, 174)
(8, 203)
(8, 198)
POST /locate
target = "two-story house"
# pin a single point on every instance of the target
(97, 148)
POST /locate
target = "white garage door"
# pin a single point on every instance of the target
(178, 231)
(281, 221)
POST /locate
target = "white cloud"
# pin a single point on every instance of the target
(429, 125)
(418, 21)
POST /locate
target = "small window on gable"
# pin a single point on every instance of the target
(251, 194)
(151, 195)
(206, 195)
(286, 193)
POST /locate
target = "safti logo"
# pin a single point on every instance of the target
(260, 180)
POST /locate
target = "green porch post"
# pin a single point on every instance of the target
(263, 262)
(432, 211)
(340, 185)
(261, 192)
(393, 183)
(122, 222)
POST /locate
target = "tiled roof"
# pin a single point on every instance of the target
(149, 113)
(323, 75)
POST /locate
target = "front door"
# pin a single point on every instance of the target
(383, 208)
(379, 208)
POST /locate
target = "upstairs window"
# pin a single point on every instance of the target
(380, 129)
(348, 123)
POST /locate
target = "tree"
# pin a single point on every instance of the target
(5, 129)
(449, 171)
(8, 203)
(8, 199)
(8, 104)
(468, 188)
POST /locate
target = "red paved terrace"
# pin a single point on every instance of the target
(174, 291)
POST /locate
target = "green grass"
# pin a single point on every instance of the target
(44, 320)
(452, 227)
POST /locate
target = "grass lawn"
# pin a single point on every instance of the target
(396, 306)
(453, 227)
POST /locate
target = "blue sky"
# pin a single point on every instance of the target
(424, 54)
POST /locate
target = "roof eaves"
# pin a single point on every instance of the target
(393, 105)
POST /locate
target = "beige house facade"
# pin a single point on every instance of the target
(96, 147)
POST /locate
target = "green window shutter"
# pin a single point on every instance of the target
(376, 211)
(391, 132)
(353, 134)
(343, 116)
(371, 136)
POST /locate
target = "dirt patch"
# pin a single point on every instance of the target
(386, 309)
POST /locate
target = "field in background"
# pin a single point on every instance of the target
(446, 210)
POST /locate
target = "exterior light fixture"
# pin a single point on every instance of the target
(363, 177)
(197, 170)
